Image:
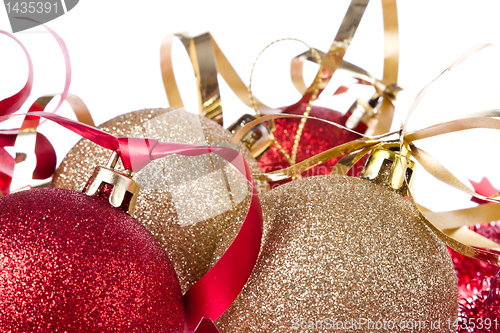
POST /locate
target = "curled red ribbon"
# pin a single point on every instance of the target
(44, 151)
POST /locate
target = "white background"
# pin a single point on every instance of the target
(114, 47)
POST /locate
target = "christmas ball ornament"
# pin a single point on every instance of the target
(73, 263)
(187, 203)
(347, 254)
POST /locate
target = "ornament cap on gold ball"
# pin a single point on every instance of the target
(390, 166)
(118, 188)
(259, 139)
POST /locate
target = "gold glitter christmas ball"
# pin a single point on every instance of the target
(187, 203)
(344, 254)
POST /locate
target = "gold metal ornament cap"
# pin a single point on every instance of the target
(391, 167)
(108, 184)
(366, 112)
(259, 139)
(363, 111)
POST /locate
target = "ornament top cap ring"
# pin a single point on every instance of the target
(124, 190)
(390, 166)
(259, 139)
(367, 111)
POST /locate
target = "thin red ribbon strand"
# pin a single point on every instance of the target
(30, 122)
(8, 106)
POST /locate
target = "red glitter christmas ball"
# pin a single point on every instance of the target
(73, 263)
(317, 137)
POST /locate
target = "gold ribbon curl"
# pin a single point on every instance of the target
(207, 60)
(387, 87)
(316, 84)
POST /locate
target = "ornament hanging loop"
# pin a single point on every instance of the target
(315, 92)
(317, 80)
(260, 138)
(368, 111)
(118, 188)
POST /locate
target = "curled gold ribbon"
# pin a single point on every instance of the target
(450, 233)
(208, 61)
(454, 238)
(296, 72)
(333, 58)
(465, 217)
(387, 87)
(452, 223)
(203, 58)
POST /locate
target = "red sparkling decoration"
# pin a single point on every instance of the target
(481, 312)
(478, 282)
(73, 263)
(317, 137)
(471, 274)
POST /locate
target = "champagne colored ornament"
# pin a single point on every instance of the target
(187, 203)
(73, 263)
(343, 253)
